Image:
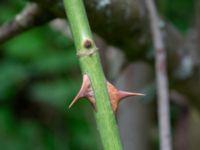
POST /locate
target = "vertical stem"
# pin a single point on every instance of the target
(161, 76)
(90, 65)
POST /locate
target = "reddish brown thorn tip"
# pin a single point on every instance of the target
(124, 94)
(116, 95)
(85, 92)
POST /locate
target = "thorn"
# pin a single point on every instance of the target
(116, 95)
(124, 94)
(85, 92)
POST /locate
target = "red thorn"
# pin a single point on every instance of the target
(124, 94)
(116, 96)
(85, 91)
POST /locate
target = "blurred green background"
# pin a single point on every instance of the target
(40, 75)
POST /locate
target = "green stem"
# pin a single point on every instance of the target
(90, 65)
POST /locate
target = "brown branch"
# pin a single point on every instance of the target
(161, 76)
(31, 16)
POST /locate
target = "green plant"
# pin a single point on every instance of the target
(90, 65)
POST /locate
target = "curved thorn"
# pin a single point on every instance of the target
(92, 102)
(83, 91)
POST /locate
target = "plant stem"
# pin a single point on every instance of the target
(90, 65)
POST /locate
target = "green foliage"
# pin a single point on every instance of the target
(12, 74)
(179, 12)
(9, 8)
(62, 92)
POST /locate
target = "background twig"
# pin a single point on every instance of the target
(161, 76)
(31, 16)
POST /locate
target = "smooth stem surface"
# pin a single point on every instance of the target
(90, 65)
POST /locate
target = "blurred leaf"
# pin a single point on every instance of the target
(9, 9)
(6, 121)
(55, 93)
(30, 135)
(11, 74)
(55, 62)
(27, 46)
(179, 12)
